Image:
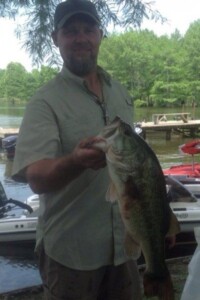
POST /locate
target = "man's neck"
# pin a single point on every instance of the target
(94, 84)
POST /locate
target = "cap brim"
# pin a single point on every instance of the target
(67, 17)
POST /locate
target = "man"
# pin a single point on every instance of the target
(80, 235)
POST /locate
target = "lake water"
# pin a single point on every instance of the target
(16, 273)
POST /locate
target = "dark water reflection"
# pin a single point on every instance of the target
(17, 274)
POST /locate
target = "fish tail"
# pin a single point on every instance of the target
(160, 287)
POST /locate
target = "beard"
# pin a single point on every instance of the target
(80, 66)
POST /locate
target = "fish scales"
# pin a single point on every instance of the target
(138, 184)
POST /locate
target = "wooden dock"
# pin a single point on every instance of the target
(177, 122)
(8, 131)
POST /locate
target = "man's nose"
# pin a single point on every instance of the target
(81, 36)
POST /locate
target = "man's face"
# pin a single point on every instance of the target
(78, 42)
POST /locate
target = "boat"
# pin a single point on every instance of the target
(184, 200)
(18, 220)
(20, 228)
(188, 214)
(190, 172)
(188, 175)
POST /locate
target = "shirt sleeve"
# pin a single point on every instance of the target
(38, 137)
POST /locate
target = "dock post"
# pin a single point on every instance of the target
(168, 135)
(192, 132)
(144, 134)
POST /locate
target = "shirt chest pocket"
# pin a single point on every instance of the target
(73, 129)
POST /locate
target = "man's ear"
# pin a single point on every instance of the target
(54, 37)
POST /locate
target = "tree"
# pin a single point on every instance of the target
(131, 57)
(157, 71)
(38, 21)
(18, 85)
(191, 45)
(170, 84)
(2, 85)
(15, 82)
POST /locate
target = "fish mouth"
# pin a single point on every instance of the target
(119, 125)
(111, 130)
(124, 128)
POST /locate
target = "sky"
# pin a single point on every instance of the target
(180, 14)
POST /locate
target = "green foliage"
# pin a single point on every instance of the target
(17, 85)
(157, 71)
(131, 56)
(140, 103)
(38, 24)
(192, 46)
(14, 78)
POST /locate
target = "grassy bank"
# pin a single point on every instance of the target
(177, 267)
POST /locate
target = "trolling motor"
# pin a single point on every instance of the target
(6, 205)
(8, 145)
(138, 128)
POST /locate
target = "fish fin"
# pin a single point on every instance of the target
(132, 248)
(174, 227)
(111, 194)
(158, 286)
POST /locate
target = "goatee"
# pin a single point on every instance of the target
(81, 67)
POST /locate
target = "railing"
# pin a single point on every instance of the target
(185, 117)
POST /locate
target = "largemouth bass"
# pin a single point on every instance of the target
(138, 184)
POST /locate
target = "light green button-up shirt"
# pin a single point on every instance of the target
(79, 228)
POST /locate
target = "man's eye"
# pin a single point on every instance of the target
(89, 30)
(69, 31)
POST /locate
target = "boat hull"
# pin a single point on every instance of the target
(18, 229)
(188, 213)
(184, 171)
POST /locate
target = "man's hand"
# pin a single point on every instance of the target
(48, 175)
(86, 156)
